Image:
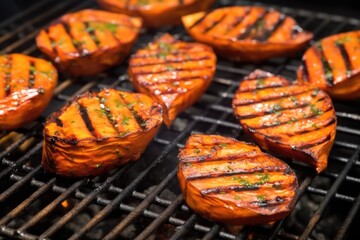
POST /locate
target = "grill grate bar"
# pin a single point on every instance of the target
(212, 233)
(332, 191)
(183, 229)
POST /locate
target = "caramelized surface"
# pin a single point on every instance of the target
(296, 121)
(172, 72)
(89, 41)
(333, 64)
(26, 87)
(99, 131)
(234, 182)
(247, 33)
(157, 13)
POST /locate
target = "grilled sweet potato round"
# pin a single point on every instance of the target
(333, 64)
(247, 33)
(88, 42)
(26, 87)
(97, 132)
(175, 73)
(296, 121)
(157, 13)
(234, 182)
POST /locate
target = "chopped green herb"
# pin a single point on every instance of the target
(276, 185)
(223, 145)
(170, 68)
(32, 70)
(276, 108)
(292, 120)
(118, 103)
(343, 40)
(143, 2)
(261, 198)
(41, 91)
(315, 92)
(89, 29)
(222, 192)
(125, 120)
(112, 27)
(237, 197)
(316, 111)
(101, 112)
(161, 55)
(130, 105)
(262, 178)
(197, 151)
(260, 83)
(243, 182)
(7, 88)
(294, 100)
(102, 100)
(314, 126)
(230, 168)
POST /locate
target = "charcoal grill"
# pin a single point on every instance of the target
(142, 200)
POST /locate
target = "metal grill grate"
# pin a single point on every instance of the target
(142, 200)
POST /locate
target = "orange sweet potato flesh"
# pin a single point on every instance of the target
(289, 119)
(245, 33)
(26, 87)
(233, 182)
(333, 64)
(172, 72)
(89, 41)
(97, 132)
(157, 13)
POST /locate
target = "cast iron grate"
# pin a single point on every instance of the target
(142, 200)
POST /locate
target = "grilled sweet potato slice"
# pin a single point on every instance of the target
(97, 132)
(175, 73)
(333, 64)
(247, 33)
(26, 87)
(234, 182)
(89, 41)
(296, 121)
(157, 13)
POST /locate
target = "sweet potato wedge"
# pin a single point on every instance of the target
(234, 182)
(97, 132)
(89, 41)
(292, 120)
(172, 72)
(26, 87)
(333, 64)
(247, 33)
(157, 13)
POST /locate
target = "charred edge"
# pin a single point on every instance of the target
(210, 158)
(54, 139)
(173, 61)
(201, 19)
(346, 58)
(261, 88)
(219, 190)
(252, 26)
(172, 69)
(231, 173)
(309, 145)
(272, 98)
(92, 34)
(305, 70)
(68, 32)
(269, 32)
(58, 122)
(32, 72)
(8, 75)
(109, 115)
(215, 23)
(239, 19)
(269, 202)
(85, 117)
(332, 120)
(325, 64)
(140, 121)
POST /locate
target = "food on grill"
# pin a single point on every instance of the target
(333, 64)
(247, 33)
(27, 85)
(173, 72)
(97, 132)
(89, 41)
(234, 182)
(157, 13)
(296, 121)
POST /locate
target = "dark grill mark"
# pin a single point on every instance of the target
(326, 66)
(201, 19)
(173, 69)
(91, 32)
(214, 24)
(261, 88)
(220, 190)
(255, 25)
(346, 58)
(305, 70)
(210, 175)
(32, 72)
(68, 32)
(239, 19)
(172, 61)
(211, 158)
(177, 51)
(267, 34)
(109, 115)
(170, 80)
(58, 122)
(85, 116)
(330, 122)
(140, 121)
(8, 75)
(309, 145)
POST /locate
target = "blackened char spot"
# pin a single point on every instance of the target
(58, 122)
(267, 34)
(219, 190)
(250, 27)
(214, 24)
(325, 64)
(201, 19)
(346, 58)
(84, 115)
